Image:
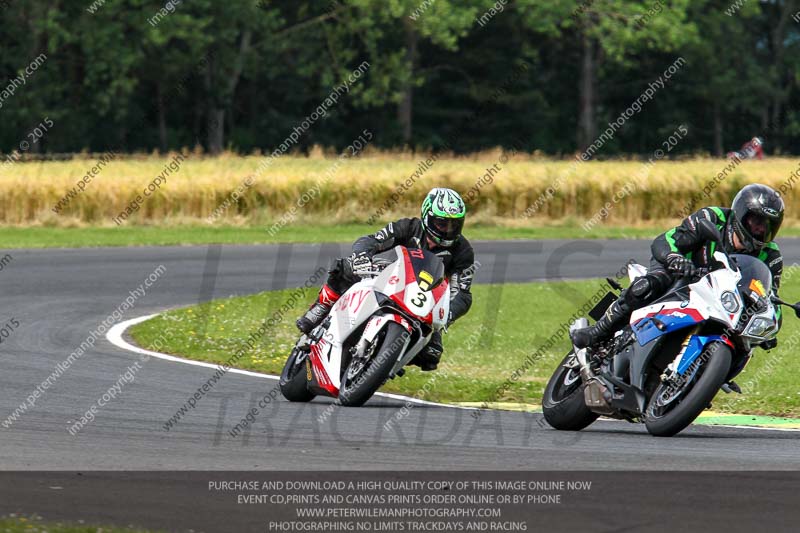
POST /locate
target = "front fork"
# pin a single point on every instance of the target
(671, 372)
(370, 335)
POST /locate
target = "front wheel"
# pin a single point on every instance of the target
(563, 404)
(294, 377)
(364, 375)
(673, 407)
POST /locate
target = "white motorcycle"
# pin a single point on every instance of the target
(375, 329)
(669, 362)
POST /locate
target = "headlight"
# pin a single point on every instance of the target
(730, 302)
(759, 326)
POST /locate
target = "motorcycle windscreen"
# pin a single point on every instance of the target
(428, 268)
(756, 277)
(385, 258)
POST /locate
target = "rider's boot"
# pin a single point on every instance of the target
(428, 358)
(318, 310)
(614, 317)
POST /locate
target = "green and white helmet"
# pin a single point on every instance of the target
(443, 213)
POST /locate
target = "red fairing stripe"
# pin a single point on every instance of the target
(428, 319)
(727, 341)
(402, 321)
(694, 313)
(319, 370)
(437, 295)
(409, 269)
(408, 275)
(440, 289)
(399, 297)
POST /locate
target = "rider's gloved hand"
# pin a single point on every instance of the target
(360, 263)
(680, 266)
(770, 344)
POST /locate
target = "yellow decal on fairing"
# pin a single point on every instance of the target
(425, 276)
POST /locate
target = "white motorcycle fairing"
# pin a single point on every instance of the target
(364, 306)
(708, 298)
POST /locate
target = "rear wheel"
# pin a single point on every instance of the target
(563, 405)
(294, 377)
(364, 375)
(673, 407)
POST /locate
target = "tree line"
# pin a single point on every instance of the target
(450, 75)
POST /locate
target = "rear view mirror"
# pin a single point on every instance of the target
(778, 301)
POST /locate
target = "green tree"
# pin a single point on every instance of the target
(390, 34)
(611, 31)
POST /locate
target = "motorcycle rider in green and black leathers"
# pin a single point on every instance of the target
(438, 230)
(748, 227)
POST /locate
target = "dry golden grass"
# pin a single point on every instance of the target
(359, 187)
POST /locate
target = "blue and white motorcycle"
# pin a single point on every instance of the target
(669, 362)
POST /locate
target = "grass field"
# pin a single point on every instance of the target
(519, 192)
(13, 237)
(478, 357)
(39, 237)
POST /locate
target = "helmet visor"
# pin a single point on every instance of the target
(447, 229)
(760, 228)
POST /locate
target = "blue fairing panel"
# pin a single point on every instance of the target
(695, 348)
(646, 330)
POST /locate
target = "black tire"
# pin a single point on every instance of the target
(356, 390)
(701, 390)
(294, 378)
(563, 405)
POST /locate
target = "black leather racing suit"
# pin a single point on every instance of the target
(458, 259)
(686, 240)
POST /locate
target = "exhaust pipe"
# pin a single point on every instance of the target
(586, 370)
(594, 393)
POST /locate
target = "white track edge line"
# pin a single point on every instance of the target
(115, 334)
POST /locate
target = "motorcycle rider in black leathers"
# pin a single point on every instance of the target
(748, 227)
(438, 230)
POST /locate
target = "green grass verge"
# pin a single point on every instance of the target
(46, 237)
(479, 358)
(21, 524)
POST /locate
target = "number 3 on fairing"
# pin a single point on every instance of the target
(419, 300)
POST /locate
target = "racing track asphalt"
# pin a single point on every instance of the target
(59, 295)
